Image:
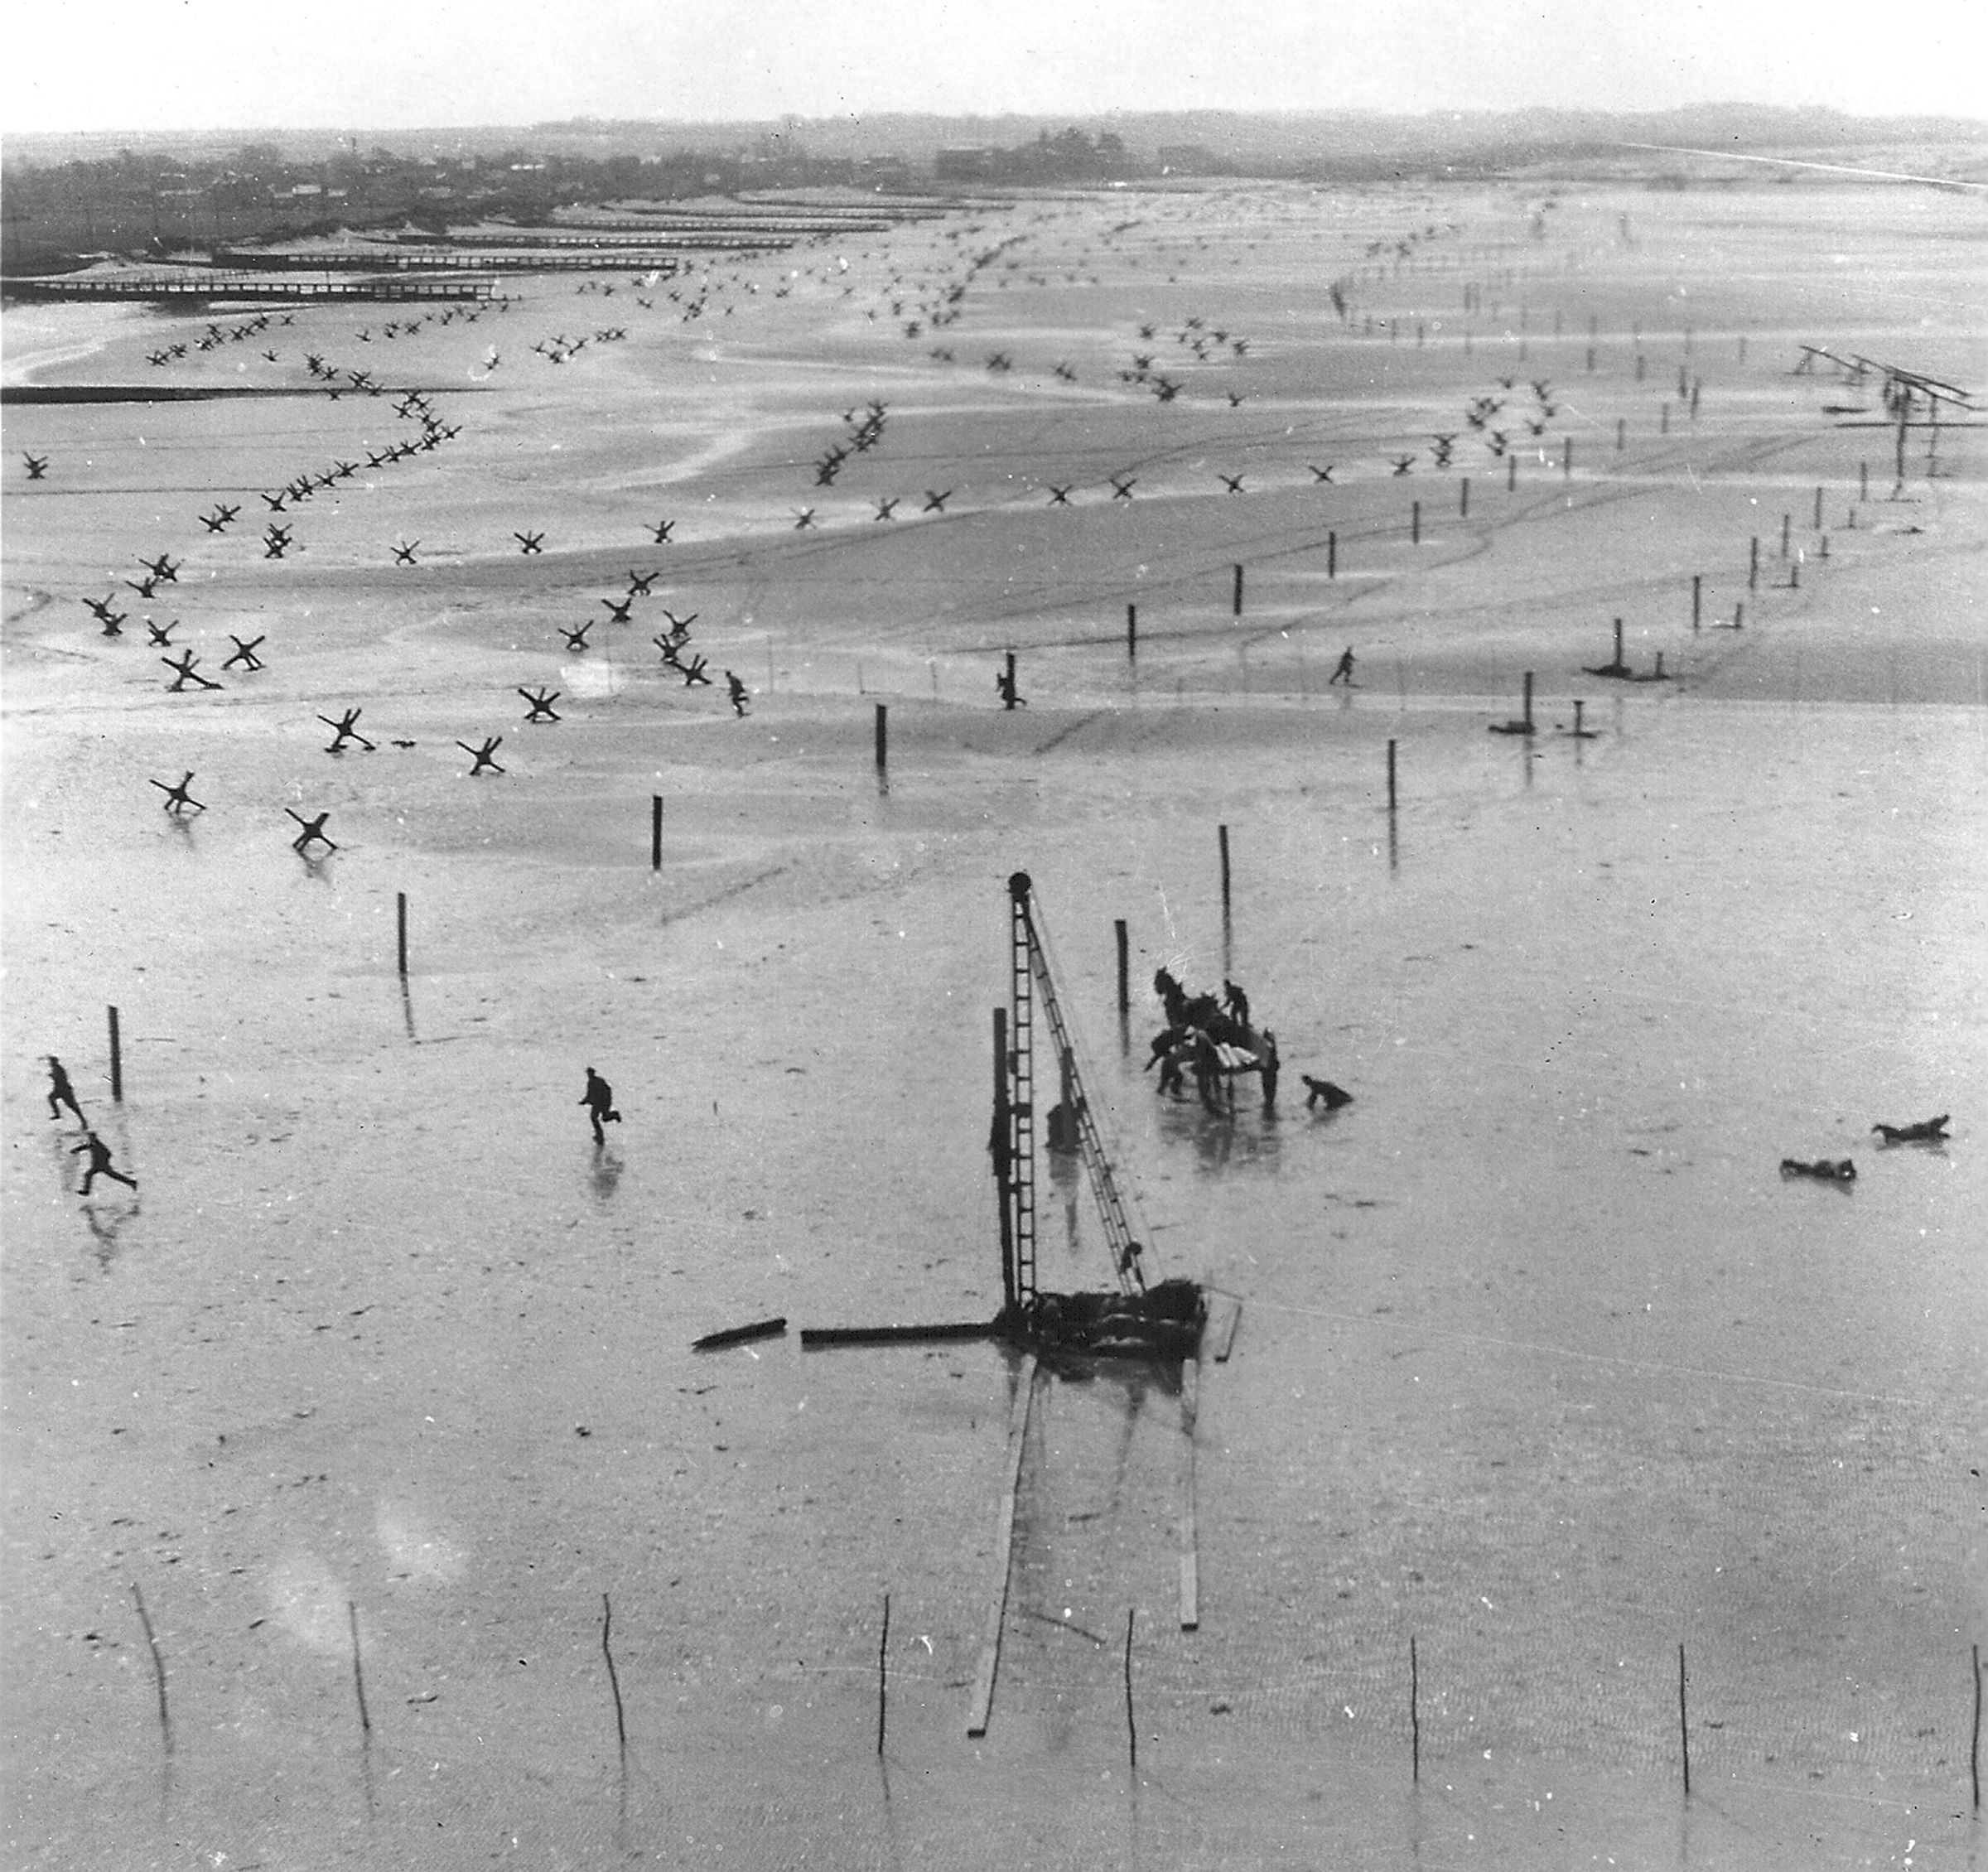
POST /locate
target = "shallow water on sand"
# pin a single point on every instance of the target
(381, 1384)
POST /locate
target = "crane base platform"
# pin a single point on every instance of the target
(1165, 1322)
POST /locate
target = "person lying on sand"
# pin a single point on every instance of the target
(1927, 1131)
(1842, 1171)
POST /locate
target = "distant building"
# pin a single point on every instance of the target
(963, 162)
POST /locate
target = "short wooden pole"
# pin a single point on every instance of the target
(883, 1650)
(1663, 420)
(1463, 499)
(883, 738)
(1622, 432)
(1528, 715)
(1579, 707)
(1235, 603)
(358, 1675)
(1131, 1728)
(1511, 473)
(1753, 564)
(1222, 833)
(1332, 555)
(1415, 1715)
(1684, 1729)
(1567, 456)
(1743, 347)
(1697, 597)
(158, 1678)
(1818, 519)
(1391, 776)
(1132, 632)
(1618, 642)
(1591, 357)
(400, 917)
(1863, 481)
(1415, 522)
(1125, 995)
(1974, 1747)
(1787, 522)
(1643, 366)
(655, 832)
(614, 1679)
(117, 1062)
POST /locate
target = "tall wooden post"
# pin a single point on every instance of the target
(1566, 456)
(1415, 1715)
(400, 913)
(1223, 839)
(1618, 642)
(1787, 521)
(1753, 564)
(883, 738)
(1511, 473)
(1332, 555)
(1528, 707)
(1415, 522)
(655, 830)
(1391, 776)
(1684, 1731)
(1463, 499)
(1622, 432)
(1697, 596)
(1235, 603)
(1818, 519)
(1131, 632)
(1124, 996)
(117, 1062)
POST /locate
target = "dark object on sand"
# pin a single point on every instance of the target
(1824, 1170)
(1315, 1089)
(1927, 1131)
(738, 1335)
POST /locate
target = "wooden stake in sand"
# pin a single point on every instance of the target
(1190, 1546)
(1463, 499)
(655, 831)
(1004, 1547)
(1125, 999)
(883, 1652)
(883, 738)
(1131, 632)
(1753, 564)
(400, 917)
(1131, 1729)
(1974, 1747)
(158, 1674)
(1818, 519)
(1511, 473)
(358, 1676)
(117, 1070)
(1684, 1731)
(1415, 522)
(1622, 431)
(1235, 603)
(614, 1680)
(1415, 1715)
(1391, 776)
(1222, 841)
(1697, 596)
(1332, 555)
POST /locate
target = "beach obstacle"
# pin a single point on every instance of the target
(1463, 499)
(358, 1675)
(1524, 724)
(883, 736)
(117, 1062)
(158, 1667)
(1391, 778)
(1511, 474)
(655, 832)
(614, 1679)
(1222, 843)
(1131, 632)
(1236, 597)
(400, 919)
(178, 798)
(1122, 942)
(1131, 1728)
(1332, 555)
(1415, 522)
(1697, 597)
(1415, 1715)
(540, 702)
(883, 1653)
(312, 834)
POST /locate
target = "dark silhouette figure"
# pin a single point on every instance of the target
(484, 756)
(1343, 670)
(1927, 1131)
(1272, 1065)
(61, 1092)
(1005, 687)
(1236, 1001)
(343, 730)
(314, 831)
(1316, 1089)
(739, 694)
(598, 1099)
(178, 799)
(244, 654)
(100, 1164)
(188, 671)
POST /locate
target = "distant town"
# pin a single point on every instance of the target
(68, 200)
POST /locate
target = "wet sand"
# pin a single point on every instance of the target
(1541, 1362)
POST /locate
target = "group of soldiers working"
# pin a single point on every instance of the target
(1198, 1028)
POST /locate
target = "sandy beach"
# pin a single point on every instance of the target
(1542, 1362)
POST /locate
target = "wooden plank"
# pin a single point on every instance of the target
(1190, 1552)
(1003, 1548)
(738, 1335)
(1225, 1333)
(814, 1336)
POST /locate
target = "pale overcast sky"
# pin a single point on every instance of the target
(393, 64)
